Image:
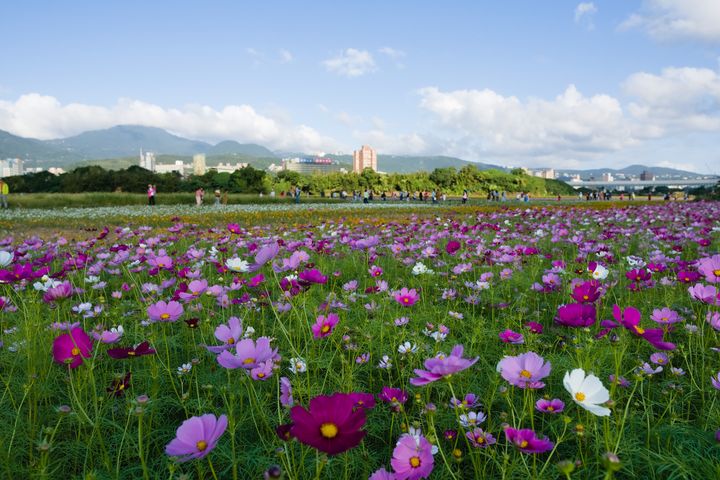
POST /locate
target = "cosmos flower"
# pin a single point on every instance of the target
(196, 437)
(576, 315)
(119, 385)
(324, 326)
(710, 268)
(587, 391)
(70, 348)
(412, 458)
(441, 366)
(406, 298)
(249, 354)
(524, 370)
(480, 439)
(527, 440)
(229, 334)
(331, 424)
(165, 311)
(508, 336)
(237, 265)
(550, 406)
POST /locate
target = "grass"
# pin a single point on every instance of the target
(661, 427)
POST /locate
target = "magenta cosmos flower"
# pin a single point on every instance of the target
(527, 441)
(412, 458)
(332, 424)
(70, 348)
(165, 312)
(324, 326)
(550, 406)
(576, 315)
(406, 298)
(441, 366)
(629, 318)
(587, 292)
(196, 437)
(525, 370)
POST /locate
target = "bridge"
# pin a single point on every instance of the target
(639, 184)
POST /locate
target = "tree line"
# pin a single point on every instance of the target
(135, 179)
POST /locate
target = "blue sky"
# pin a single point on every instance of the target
(554, 83)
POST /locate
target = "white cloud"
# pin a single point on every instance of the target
(672, 19)
(351, 63)
(41, 116)
(393, 144)
(392, 52)
(679, 99)
(570, 125)
(584, 13)
(285, 56)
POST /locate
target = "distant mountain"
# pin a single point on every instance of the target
(12, 146)
(410, 163)
(127, 140)
(231, 147)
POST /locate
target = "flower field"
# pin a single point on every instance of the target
(544, 342)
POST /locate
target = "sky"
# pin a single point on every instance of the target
(536, 83)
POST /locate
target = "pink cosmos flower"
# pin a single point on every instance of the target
(229, 334)
(441, 366)
(165, 312)
(527, 441)
(705, 293)
(576, 315)
(406, 298)
(412, 458)
(710, 268)
(196, 437)
(249, 354)
(70, 348)
(53, 294)
(525, 370)
(665, 316)
(550, 406)
(286, 398)
(480, 439)
(382, 474)
(324, 326)
(508, 336)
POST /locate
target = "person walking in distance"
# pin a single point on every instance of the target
(151, 194)
(4, 192)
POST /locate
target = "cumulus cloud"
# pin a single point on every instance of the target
(569, 125)
(584, 13)
(679, 99)
(388, 143)
(392, 52)
(44, 117)
(672, 19)
(351, 63)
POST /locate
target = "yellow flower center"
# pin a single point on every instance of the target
(325, 328)
(716, 272)
(201, 445)
(480, 440)
(261, 375)
(407, 300)
(550, 408)
(231, 341)
(639, 330)
(579, 396)
(525, 373)
(393, 400)
(165, 316)
(328, 430)
(523, 444)
(415, 462)
(660, 360)
(248, 361)
(75, 351)
(131, 353)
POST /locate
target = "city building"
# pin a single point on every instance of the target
(11, 167)
(647, 175)
(147, 160)
(198, 164)
(607, 177)
(364, 158)
(304, 165)
(178, 166)
(228, 168)
(547, 173)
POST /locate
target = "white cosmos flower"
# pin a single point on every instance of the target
(237, 265)
(5, 258)
(587, 391)
(600, 272)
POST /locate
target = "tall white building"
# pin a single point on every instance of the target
(147, 160)
(199, 167)
(11, 167)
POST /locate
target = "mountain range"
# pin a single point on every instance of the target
(119, 146)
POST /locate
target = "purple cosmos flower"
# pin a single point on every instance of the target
(406, 298)
(412, 458)
(480, 439)
(508, 336)
(469, 401)
(229, 334)
(710, 268)
(550, 406)
(394, 396)
(332, 424)
(196, 437)
(442, 366)
(527, 441)
(165, 312)
(713, 318)
(525, 370)
(659, 358)
(716, 381)
(576, 315)
(705, 293)
(249, 354)
(53, 294)
(308, 277)
(324, 326)
(665, 316)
